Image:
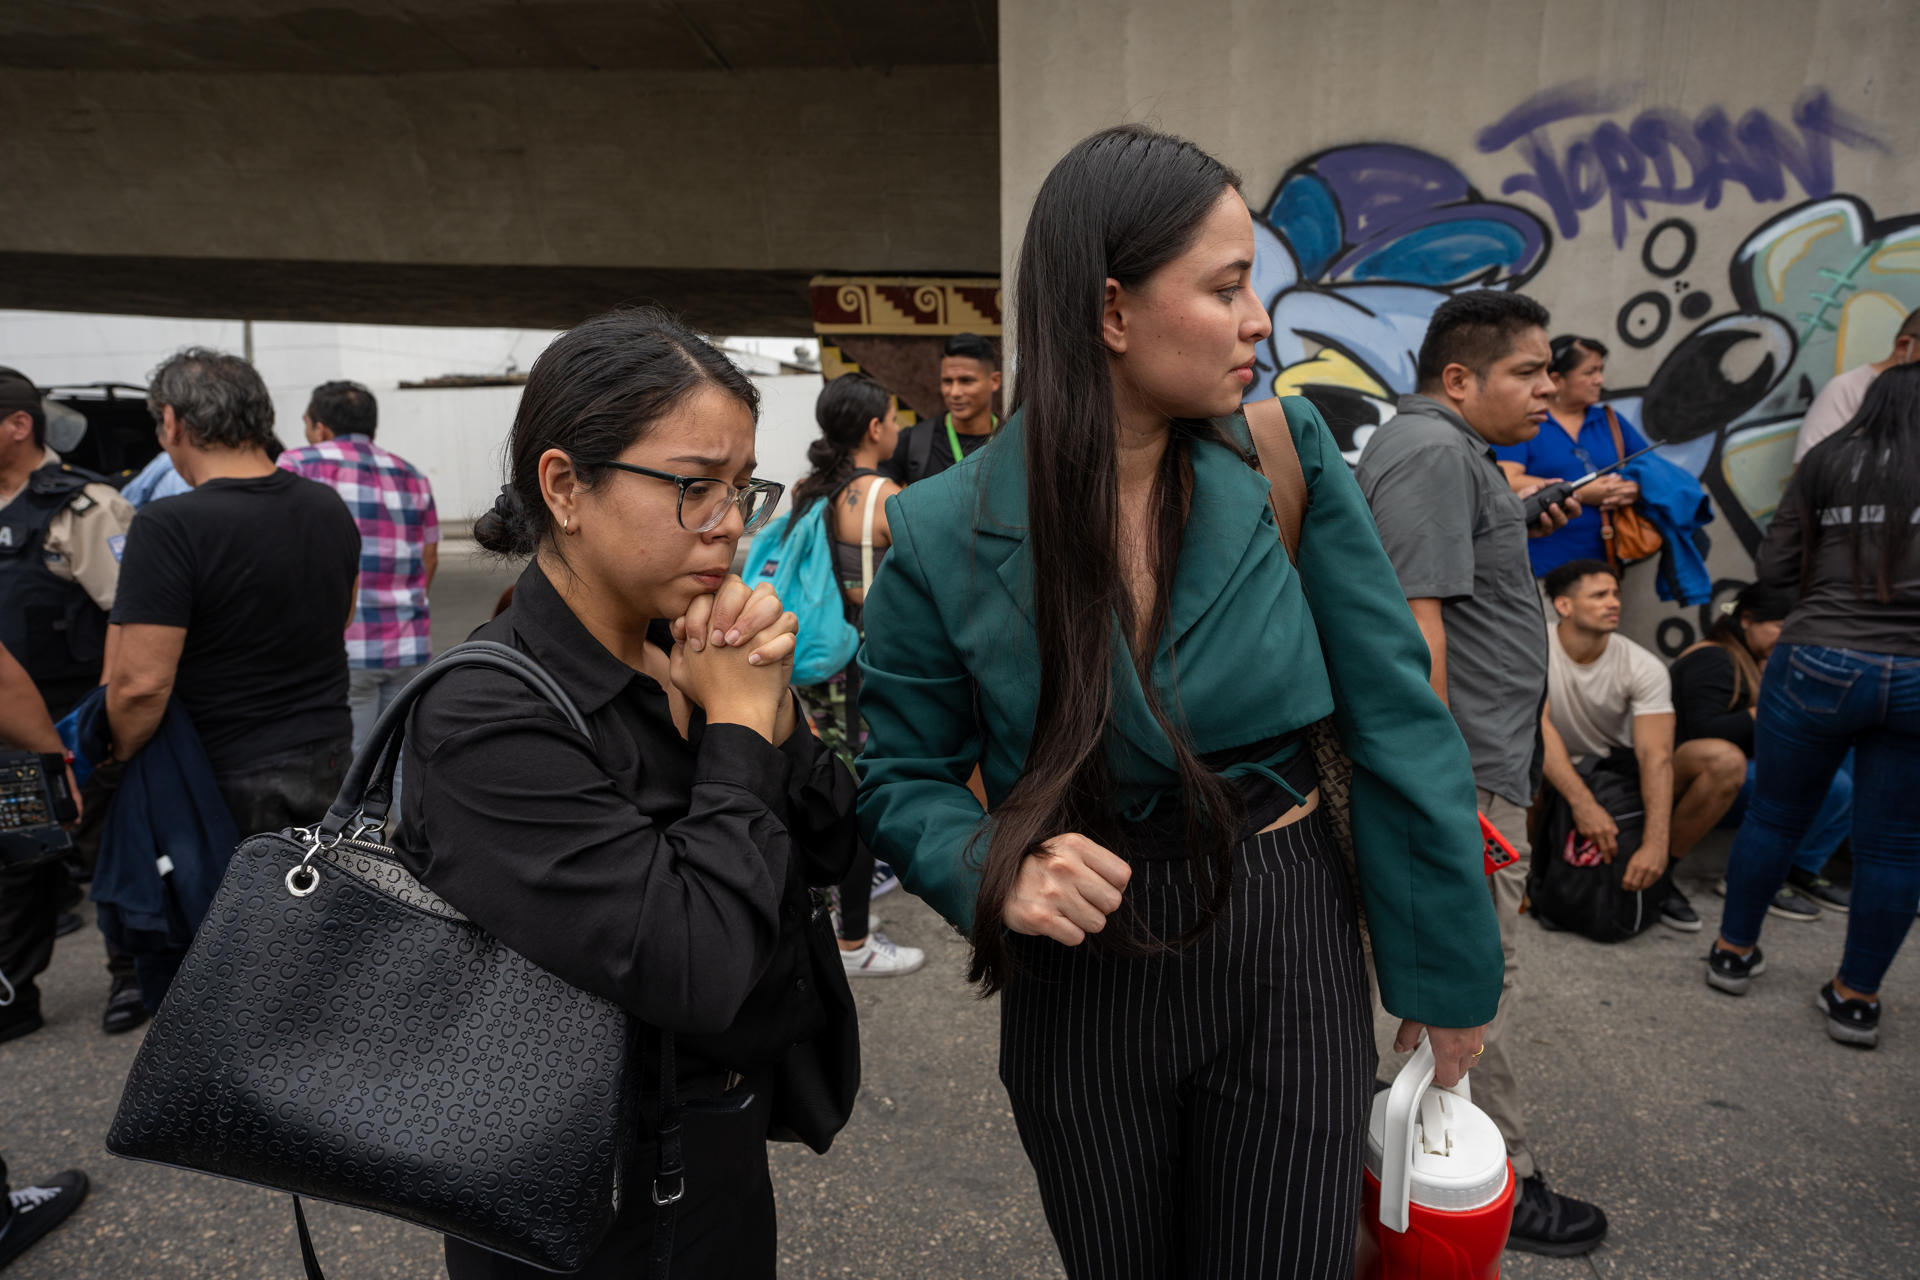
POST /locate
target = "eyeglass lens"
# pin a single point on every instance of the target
(703, 505)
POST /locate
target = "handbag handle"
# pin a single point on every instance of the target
(367, 790)
(1280, 464)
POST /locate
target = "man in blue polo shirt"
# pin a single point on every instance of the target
(1576, 438)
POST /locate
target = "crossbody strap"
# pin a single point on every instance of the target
(1280, 464)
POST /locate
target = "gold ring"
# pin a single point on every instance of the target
(1477, 1052)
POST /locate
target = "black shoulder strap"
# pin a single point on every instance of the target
(919, 449)
(366, 792)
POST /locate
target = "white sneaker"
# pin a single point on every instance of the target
(880, 957)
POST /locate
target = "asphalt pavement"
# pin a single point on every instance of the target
(1725, 1138)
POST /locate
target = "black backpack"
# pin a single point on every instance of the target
(1589, 900)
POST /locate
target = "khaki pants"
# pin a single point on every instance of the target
(1494, 1089)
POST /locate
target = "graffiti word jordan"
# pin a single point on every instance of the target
(1664, 157)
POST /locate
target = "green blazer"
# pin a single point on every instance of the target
(951, 676)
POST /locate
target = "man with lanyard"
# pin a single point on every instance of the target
(969, 380)
(62, 533)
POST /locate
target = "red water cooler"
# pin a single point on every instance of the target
(1439, 1190)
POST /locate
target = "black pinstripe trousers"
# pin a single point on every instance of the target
(1200, 1113)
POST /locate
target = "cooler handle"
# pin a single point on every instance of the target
(1396, 1143)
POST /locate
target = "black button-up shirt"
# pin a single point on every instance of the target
(667, 874)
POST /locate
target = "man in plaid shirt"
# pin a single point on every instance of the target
(387, 641)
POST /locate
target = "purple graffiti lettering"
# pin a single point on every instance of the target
(1665, 158)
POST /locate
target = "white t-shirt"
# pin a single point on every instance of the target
(1593, 704)
(1833, 408)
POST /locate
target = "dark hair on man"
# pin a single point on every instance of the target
(1910, 327)
(19, 395)
(1120, 205)
(846, 408)
(1872, 462)
(1477, 329)
(596, 389)
(1562, 579)
(345, 408)
(220, 400)
(973, 347)
(1570, 351)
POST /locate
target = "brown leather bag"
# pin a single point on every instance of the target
(1630, 536)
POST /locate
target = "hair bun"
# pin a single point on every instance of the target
(504, 528)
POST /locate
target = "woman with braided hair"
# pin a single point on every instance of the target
(858, 431)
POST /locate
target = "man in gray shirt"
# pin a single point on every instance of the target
(1457, 535)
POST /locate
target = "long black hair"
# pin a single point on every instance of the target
(1120, 205)
(1872, 463)
(846, 408)
(596, 389)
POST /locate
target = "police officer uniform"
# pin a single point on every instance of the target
(61, 539)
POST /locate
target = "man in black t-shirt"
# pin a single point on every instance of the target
(969, 380)
(232, 599)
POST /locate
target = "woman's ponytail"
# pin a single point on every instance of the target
(846, 408)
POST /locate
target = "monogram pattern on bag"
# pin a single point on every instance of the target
(393, 1057)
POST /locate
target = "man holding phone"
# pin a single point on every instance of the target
(1457, 535)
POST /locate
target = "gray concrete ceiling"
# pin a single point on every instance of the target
(402, 36)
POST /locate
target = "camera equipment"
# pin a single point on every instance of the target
(35, 801)
(1561, 490)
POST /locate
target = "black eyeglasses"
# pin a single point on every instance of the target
(704, 500)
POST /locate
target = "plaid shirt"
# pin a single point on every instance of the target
(393, 505)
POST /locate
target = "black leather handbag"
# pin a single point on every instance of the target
(339, 1031)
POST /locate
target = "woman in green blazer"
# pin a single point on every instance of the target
(1096, 609)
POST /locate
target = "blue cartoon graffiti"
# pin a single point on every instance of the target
(1360, 244)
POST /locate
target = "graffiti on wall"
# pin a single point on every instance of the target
(1361, 243)
(1663, 157)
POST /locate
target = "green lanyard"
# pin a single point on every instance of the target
(953, 437)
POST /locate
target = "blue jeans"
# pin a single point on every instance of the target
(1830, 825)
(1816, 704)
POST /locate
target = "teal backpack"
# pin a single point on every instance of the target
(797, 559)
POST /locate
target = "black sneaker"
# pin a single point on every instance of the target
(1788, 905)
(22, 1017)
(1677, 913)
(1558, 1226)
(1820, 889)
(39, 1209)
(1732, 973)
(125, 1009)
(1849, 1021)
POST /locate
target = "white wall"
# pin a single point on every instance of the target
(457, 436)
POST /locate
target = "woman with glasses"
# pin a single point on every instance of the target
(666, 864)
(1575, 439)
(1098, 611)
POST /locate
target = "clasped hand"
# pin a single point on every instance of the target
(733, 657)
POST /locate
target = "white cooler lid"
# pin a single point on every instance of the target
(1459, 1157)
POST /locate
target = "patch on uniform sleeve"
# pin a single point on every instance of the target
(117, 544)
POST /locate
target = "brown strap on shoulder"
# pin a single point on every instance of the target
(1619, 444)
(1280, 463)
